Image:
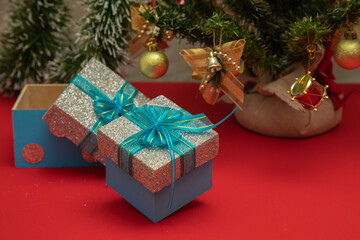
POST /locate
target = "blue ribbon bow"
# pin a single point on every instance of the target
(160, 128)
(107, 109)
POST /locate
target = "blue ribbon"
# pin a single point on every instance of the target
(160, 128)
(107, 109)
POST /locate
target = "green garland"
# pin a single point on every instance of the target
(103, 35)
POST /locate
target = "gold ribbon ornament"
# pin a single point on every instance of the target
(146, 30)
(218, 69)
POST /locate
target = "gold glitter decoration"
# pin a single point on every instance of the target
(347, 51)
(153, 63)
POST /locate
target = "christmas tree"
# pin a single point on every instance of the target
(277, 33)
(35, 37)
(103, 36)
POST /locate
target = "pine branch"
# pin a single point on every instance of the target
(306, 31)
(103, 35)
(337, 16)
(36, 33)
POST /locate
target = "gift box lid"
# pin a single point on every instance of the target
(151, 166)
(79, 105)
(73, 113)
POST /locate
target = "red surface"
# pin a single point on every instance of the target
(263, 187)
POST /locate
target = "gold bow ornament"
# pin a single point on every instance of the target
(218, 69)
(146, 30)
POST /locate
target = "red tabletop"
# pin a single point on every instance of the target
(263, 187)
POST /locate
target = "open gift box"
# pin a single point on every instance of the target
(34, 144)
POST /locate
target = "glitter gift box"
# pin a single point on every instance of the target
(75, 113)
(149, 186)
(34, 144)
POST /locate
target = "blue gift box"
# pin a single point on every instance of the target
(34, 144)
(155, 205)
(151, 178)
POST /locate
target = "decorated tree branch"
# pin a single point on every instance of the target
(289, 46)
(267, 26)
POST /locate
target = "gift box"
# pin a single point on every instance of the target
(148, 176)
(95, 97)
(34, 144)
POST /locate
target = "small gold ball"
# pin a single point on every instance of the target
(347, 53)
(153, 64)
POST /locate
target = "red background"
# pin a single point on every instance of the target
(263, 187)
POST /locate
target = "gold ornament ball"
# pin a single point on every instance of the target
(347, 53)
(153, 64)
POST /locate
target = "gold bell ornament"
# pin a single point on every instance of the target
(153, 63)
(213, 63)
(347, 51)
(217, 69)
